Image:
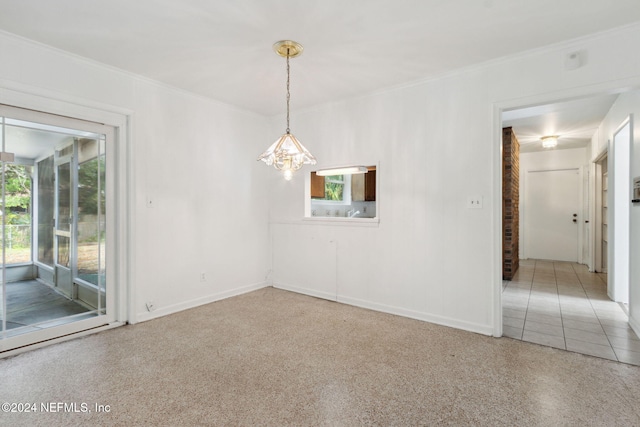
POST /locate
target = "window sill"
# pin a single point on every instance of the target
(359, 222)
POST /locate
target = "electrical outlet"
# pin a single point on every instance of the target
(474, 202)
(203, 277)
(150, 306)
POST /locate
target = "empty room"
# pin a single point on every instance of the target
(287, 212)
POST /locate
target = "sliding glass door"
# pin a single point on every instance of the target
(54, 192)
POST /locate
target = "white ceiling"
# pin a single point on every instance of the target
(30, 141)
(222, 49)
(574, 122)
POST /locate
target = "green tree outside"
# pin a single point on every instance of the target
(334, 187)
(17, 208)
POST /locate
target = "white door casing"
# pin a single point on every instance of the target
(619, 196)
(58, 113)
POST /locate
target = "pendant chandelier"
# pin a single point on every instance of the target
(287, 154)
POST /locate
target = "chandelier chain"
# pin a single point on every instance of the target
(287, 154)
(288, 91)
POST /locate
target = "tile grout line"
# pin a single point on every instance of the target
(555, 277)
(584, 294)
(597, 317)
(526, 311)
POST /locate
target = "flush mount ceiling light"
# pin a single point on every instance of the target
(351, 170)
(549, 141)
(287, 153)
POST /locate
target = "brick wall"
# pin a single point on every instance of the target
(510, 202)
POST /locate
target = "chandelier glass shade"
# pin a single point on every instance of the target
(287, 154)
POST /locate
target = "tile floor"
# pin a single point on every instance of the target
(562, 305)
(32, 305)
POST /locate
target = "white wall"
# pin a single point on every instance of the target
(626, 104)
(437, 142)
(408, 263)
(195, 159)
(546, 160)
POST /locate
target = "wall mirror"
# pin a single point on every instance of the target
(345, 192)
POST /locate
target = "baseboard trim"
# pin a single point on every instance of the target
(175, 308)
(398, 311)
(305, 291)
(419, 315)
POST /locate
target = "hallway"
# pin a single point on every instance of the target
(562, 305)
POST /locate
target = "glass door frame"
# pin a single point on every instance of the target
(116, 309)
(63, 276)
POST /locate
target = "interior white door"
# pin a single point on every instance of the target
(552, 210)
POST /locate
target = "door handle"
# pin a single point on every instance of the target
(575, 220)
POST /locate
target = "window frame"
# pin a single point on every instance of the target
(311, 204)
(346, 193)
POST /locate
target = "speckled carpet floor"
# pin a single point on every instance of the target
(274, 358)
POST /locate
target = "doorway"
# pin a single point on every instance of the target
(54, 189)
(550, 302)
(601, 211)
